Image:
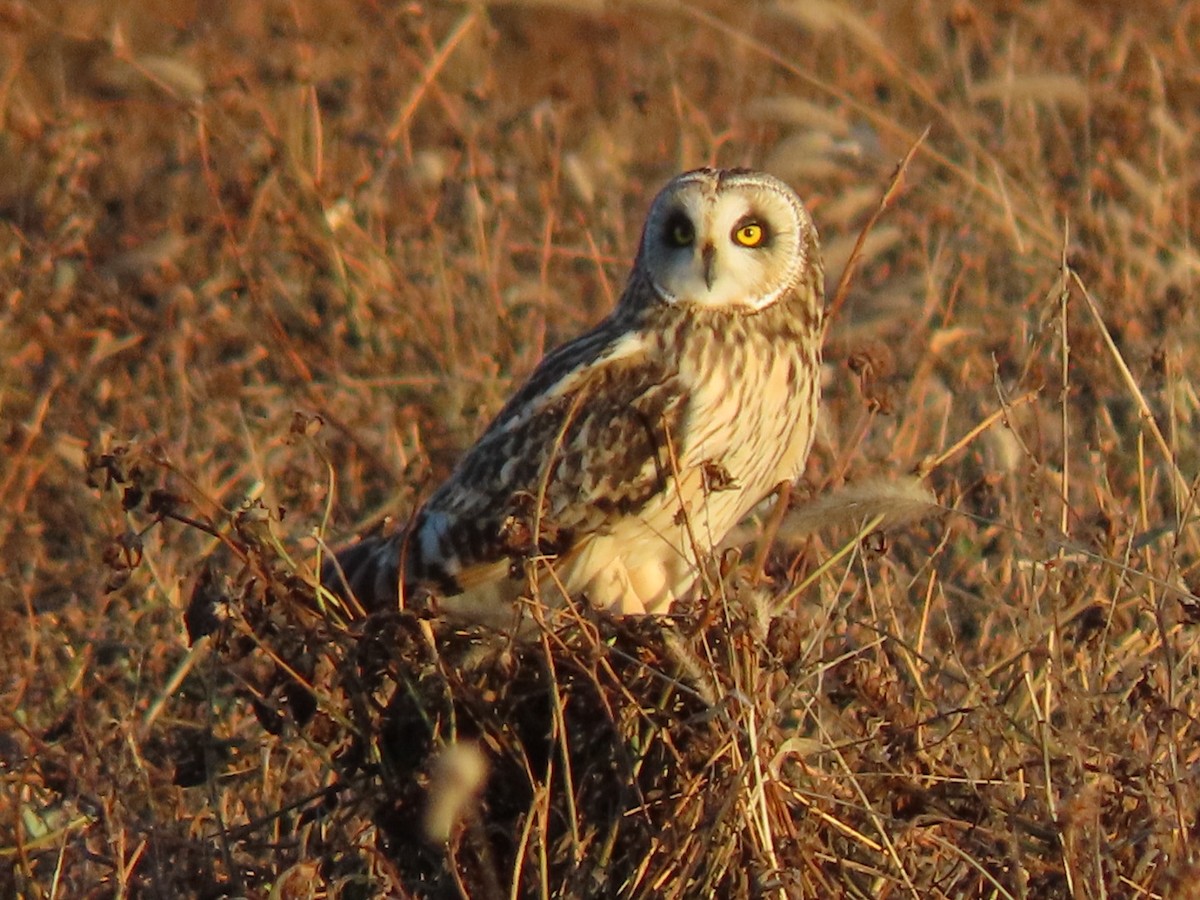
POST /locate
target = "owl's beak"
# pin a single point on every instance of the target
(707, 254)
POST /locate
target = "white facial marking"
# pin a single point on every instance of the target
(725, 240)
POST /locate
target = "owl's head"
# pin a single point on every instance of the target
(730, 238)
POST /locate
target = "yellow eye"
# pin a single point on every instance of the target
(750, 235)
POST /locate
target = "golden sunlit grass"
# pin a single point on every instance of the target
(268, 269)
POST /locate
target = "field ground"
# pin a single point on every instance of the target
(268, 268)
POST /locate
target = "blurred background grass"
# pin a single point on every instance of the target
(259, 250)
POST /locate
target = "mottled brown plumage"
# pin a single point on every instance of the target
(632, 450)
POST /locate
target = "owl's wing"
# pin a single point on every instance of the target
(585, 442)
(580, 444)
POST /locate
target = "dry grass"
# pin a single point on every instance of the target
(266, 270)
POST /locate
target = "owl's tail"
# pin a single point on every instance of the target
(367, 571)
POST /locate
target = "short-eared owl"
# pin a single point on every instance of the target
(632, 450)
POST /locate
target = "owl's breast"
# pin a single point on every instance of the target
(750, 419)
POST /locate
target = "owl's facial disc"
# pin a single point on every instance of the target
(720, 240)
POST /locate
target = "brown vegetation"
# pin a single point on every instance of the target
(267, 268)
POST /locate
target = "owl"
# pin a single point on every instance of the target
(631, 451)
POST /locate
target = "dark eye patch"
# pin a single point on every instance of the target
(679, 230)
